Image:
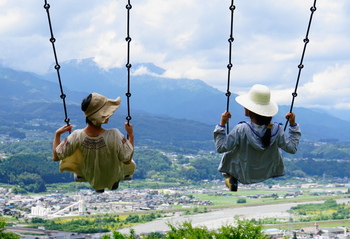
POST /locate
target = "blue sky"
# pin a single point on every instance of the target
(188, 38)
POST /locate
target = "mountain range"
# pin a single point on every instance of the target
(183, 102)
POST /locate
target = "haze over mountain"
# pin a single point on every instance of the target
(186, 100)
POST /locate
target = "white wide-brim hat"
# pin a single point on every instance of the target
(258, 100)
(101, 108)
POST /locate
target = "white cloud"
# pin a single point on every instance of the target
(142, 70)
(330, 88)
(188, 38)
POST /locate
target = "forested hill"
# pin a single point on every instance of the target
(32, 168)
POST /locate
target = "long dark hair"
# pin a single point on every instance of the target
(84, 105)
(263, 120)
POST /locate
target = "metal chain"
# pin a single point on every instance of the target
(57, 66)
(128, 65)
(229, 66)
(301, 66)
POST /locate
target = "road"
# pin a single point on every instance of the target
(26, 230)
(216, 219)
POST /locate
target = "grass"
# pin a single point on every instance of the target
(229, 199)
(298, 225)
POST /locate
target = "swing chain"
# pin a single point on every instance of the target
(301, 66)
(128, 65)
(230, 65)
(57, 66)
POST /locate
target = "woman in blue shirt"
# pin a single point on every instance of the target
(252, 150)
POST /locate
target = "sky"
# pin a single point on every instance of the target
(189, 39)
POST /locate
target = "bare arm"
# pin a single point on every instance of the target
(225, 117)
(130, 131)
(291, 118)
(57, 139)
(290, 144)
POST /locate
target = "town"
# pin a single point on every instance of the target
(87, 202)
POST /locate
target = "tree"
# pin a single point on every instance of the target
(148, 159)
(6, 235)
(206, 167)
(243, 230)
(182, 159)
(241, 200)
(118, 235)
(17, 134)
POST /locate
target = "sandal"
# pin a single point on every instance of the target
(231, 183)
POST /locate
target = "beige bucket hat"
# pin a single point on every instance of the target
(101, 108)
(258, 100)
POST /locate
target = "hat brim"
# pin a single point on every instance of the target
(268, 110)
(103, 114)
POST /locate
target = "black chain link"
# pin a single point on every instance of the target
(128, 65)
(301, 66)
(57, 66)
(229, 66)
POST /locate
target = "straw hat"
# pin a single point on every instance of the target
(101, 108)
(258, 101)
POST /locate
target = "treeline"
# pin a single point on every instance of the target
(329, 210)
(317, 168)
(31, 166)
(94, 224)
(323, 150)
(311, 212)
(30, 172)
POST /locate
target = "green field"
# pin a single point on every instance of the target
(229, 199)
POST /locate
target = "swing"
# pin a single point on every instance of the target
(73, 163)
(57, 66)
(300, 66)
(229, 65)
(231, 182)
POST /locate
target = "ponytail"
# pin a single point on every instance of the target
(266, 139)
